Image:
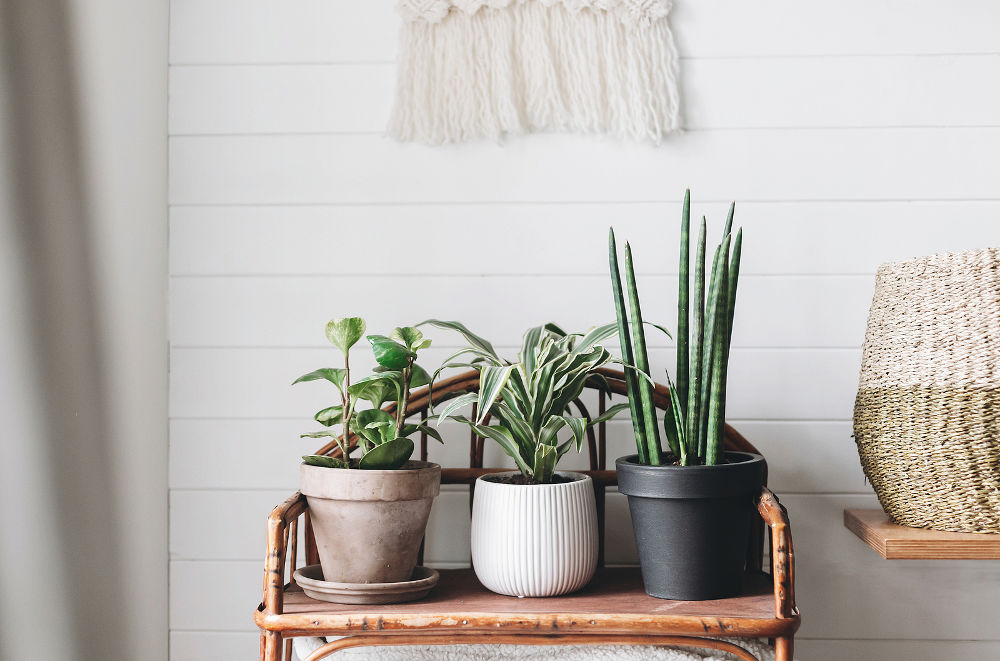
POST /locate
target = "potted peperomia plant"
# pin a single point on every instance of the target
(369, 513)
(691, 502)
(534, 531)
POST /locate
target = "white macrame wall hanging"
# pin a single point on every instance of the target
(485, 69)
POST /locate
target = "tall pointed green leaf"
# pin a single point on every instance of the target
(716, 419)
(676, 416)
(729, 221)
(734, 276)
(642, 362)
(624, 338)
(711, 315)
(693, 411)
(683, 302)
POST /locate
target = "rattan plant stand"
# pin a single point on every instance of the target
(612, 609)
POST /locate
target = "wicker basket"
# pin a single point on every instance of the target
(927, 414)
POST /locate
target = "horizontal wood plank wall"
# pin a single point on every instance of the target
(850, 133)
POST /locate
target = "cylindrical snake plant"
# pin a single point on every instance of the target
(695, 423)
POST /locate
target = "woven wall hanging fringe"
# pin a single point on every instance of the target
(474, 69)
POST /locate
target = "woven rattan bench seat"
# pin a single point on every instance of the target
(614, 601)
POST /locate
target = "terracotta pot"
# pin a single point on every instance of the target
(369, 523)
(537, 540)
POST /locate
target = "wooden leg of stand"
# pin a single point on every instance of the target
(270, 646)
(288, 650)
(783, 649)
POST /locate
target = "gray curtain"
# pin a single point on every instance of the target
(61, 593)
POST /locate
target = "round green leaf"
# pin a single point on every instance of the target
(408, 336)
(344, 332)
(377, 388)
(388, 455)
(332, 415)
(389, 353)
(376, 424)
(323, 461)
(418, 376)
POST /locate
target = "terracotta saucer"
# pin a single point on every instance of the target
(311, 580)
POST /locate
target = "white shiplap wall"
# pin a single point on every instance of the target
(851, 133)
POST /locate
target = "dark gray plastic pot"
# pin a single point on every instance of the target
(692, 523)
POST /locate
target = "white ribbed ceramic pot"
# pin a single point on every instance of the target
(536, 540)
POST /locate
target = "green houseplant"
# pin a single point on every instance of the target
(369, 514)
(691, 485)
(534, 531)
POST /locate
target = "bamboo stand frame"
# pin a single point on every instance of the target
(573, 620)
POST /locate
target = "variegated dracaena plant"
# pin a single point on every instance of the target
(382, 437)
(528, 401)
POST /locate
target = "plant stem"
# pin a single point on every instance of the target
(642, 364)
(345, 440)
(626, 342)
(404, 398)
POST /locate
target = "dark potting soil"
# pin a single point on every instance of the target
(522, 480)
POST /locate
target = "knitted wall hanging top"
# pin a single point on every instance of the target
(474, 69)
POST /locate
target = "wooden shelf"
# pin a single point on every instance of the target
(896, 542)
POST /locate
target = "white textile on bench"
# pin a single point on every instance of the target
(304, 646)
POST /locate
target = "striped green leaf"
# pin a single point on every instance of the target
(609, 414)
(455, 404)
(470, 337)
(492, 379)
(507, 443)
(545, 460)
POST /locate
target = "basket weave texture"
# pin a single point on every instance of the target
(927, 413)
